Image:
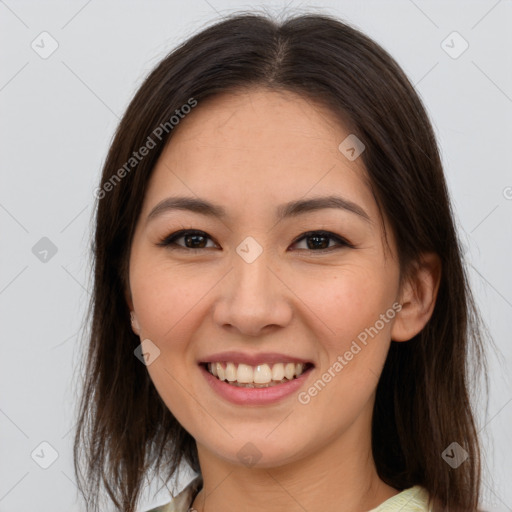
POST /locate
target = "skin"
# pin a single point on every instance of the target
(250, 152)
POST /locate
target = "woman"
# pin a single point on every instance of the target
(280, 300)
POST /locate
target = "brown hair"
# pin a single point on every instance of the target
(422, 403)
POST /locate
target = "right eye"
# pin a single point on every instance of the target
(192, 240)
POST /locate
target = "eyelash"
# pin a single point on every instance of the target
(170, 240)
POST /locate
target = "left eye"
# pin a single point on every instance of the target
(320, 240)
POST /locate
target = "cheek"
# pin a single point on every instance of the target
(348, 302)
(354, 345)
(353, 337)
(169, 307)
(166, 300)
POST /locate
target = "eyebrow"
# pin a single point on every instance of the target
(291, 209)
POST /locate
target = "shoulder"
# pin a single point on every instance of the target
(161, 508)
(183, 501)
(414, 499)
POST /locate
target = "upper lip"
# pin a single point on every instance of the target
(251, 359)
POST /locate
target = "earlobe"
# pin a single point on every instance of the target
(418, 298)
(135, 323)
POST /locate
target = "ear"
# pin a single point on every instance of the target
(135, 323)
(133, 316)
(418, 297)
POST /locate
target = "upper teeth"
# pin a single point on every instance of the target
(260, 374)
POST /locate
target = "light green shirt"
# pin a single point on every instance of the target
(414, 499)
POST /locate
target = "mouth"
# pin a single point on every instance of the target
(263, 375)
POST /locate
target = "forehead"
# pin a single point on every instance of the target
(259, 145)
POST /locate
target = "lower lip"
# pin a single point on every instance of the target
(254, 396)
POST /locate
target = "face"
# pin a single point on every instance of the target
(260, 281)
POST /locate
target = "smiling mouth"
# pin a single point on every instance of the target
(260, 376)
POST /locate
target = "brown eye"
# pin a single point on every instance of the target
(195, 241)
(320, 240)
(192, 239)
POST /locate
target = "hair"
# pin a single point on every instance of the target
(422, 401)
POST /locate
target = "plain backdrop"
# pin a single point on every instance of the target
(58, 114)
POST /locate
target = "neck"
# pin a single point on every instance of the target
(339, 477)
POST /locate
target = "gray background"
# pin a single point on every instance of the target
(58, 117)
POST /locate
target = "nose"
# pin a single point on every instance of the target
(253, 298)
